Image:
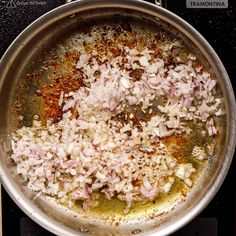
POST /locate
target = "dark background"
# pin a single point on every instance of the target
(218, 26)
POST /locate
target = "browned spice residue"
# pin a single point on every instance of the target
(71, 80)
(51, 94)
(175, 144)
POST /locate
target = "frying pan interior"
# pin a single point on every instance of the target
(22, 74)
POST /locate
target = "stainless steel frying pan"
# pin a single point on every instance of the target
(27, 53)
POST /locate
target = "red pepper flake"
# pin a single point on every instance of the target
(116, 52)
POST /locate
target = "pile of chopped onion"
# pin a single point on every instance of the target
(95, 153)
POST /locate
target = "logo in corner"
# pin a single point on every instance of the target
(207, 3)
(11, 4)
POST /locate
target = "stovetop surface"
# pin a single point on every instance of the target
(218, 26)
